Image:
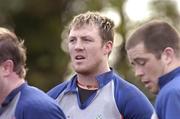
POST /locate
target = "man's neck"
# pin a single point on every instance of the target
(2, 96)
(90, 79)
(87, 80)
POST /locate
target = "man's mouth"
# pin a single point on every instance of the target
(79, 57)
(146, 83)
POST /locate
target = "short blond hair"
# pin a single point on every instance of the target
(105, 25)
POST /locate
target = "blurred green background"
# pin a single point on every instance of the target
(41, 24)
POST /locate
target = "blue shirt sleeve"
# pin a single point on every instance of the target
(35, 104)
(43, 112)
(131, 102)
(138, 107)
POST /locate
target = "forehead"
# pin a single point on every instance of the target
(84, 29)
(138, 51)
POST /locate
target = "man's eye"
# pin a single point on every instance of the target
(71, 40)
(141, 62)
(86, 39)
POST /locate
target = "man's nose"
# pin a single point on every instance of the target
(79, 45)
(139, 72)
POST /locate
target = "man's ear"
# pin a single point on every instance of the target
(7, 66)
(108, 47)
(168, 55)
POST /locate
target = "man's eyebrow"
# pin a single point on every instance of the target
(137, 59)
(70, 37)
(85, 36)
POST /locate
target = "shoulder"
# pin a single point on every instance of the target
(125, 88)
(34, 97)
(167, 102)
(171, 89)
(127, 96)
(57, 90)
(125, 92)
(35, 104)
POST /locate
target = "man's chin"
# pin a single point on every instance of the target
(154, 91)
(81, 71)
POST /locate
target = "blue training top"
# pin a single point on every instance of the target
(27, 102)
(115, 99)
(168, 100)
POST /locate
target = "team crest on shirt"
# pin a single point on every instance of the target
(99, 116)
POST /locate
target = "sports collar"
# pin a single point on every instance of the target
(163, 80)
(12, 95)
(102, 80)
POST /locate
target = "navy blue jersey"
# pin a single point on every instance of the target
(27, 102)
(168, 100)
(115, 99)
